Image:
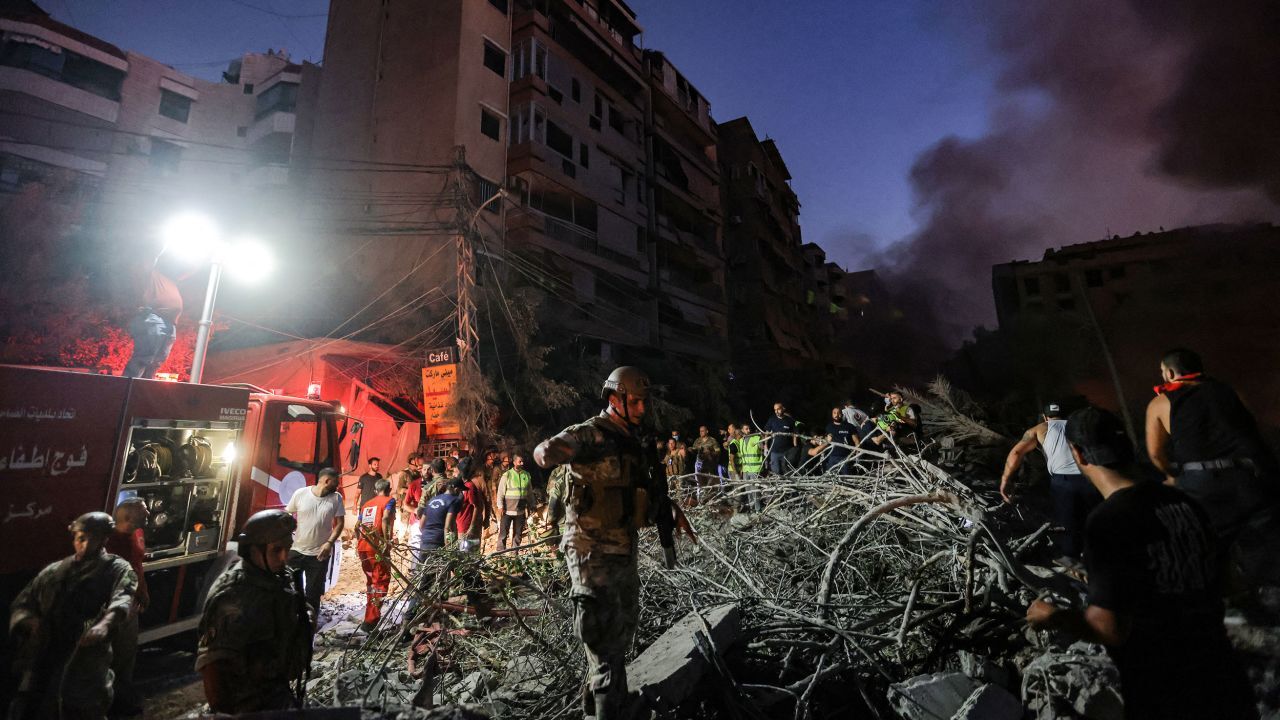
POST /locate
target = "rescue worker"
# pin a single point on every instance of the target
(1207, 443)
(515, 489)
(61, 622)
(128, 542)
(751, 459)
(1071, 495)
(375, 527)
(615, 487)
(255, 632)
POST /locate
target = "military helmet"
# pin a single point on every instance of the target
(98, 524)
(265, 527)
(627, 380)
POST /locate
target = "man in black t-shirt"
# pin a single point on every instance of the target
(842, 433)
(368, 480)
(780, 433)
(1153, 587)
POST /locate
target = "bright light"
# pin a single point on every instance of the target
(248, 260)
(229, 454)
(191, 236)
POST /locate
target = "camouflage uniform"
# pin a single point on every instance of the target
(599, 544)
(61, 679)
(255, 622)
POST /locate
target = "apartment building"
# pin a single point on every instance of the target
(1210, 288)
(770, 272)
(100, 145)
(607, 154)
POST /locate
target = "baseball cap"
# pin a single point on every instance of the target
(1100, 437)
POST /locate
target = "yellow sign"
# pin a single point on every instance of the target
(437, 390)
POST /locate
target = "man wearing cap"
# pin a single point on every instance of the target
(1204, 439)
(1071, 496)
(255, 632)
(60, 627)
(1153, 587)
(614, 488)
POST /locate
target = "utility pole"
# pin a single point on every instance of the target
(468, 337)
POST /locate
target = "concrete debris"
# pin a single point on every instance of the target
(990, 702)
(933, 696)
(986, 669)
(672, 667)
(1080, 682)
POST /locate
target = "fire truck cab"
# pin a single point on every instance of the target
(202, 458)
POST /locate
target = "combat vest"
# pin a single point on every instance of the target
(607, 501)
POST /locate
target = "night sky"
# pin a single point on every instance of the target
(928, 139)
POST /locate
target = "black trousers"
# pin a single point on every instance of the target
(510, 525)
(1073, 498)
(312, 570)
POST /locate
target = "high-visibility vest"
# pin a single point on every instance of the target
(750, 454)
(370, 521)
(517, 484)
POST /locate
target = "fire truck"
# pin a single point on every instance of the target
(202, 457)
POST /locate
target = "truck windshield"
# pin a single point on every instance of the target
(304, 444)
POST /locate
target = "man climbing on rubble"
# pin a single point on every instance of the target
(61, 624)
(375, 528)
(1153, 587)
(1071, 496)
(1204, 439)
(615, 488)
(255, 632)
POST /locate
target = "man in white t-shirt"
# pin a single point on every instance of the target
(320, 520)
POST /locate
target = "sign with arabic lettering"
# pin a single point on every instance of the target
(437, 392)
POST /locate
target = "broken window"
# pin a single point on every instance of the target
(495, 59)
(490, 125)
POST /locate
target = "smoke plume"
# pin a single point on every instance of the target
(1113, 118)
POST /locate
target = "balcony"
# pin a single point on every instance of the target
(568, 234)
(274, 123)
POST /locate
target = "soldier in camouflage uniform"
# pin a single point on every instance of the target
(614, 488)
(255, 633)
(60, 625)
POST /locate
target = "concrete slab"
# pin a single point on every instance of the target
(671, 668)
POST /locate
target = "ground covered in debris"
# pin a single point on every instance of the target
(896, 589)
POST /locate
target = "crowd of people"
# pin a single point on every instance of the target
(1160, 558)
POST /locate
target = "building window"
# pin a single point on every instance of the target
(38, 56)
(1093, 278)
(1031, 286)
(1062, 283)
(490, 125)
(556, 96)
(495, 59)
(500, 4)
(530, 59)
(559, 140)
(281, 97)
(584, 156)
(529, 124)
(486, 189)
(175, 106)
(617, 121)
(165, 156)
(248, 88)
(1066, 304)
(575, 90)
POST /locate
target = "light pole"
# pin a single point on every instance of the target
(196, 237)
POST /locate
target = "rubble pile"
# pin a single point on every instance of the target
(890, 590)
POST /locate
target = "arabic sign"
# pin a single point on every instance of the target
(437, 391)
(442, 356)
(50, 459)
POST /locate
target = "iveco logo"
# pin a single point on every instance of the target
(233, 411)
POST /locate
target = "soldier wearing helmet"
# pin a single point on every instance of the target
(255, 632)
(613, 489)
(60, 624)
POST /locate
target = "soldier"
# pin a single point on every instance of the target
(615, 488)
(255, 633)
(60, 624)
